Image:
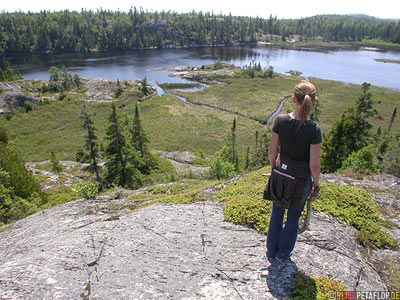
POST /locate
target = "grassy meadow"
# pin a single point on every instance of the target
(175, 126)
(257, 98)
(253, 97)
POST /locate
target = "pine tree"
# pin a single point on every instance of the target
(247, 158)
(138, 136)
(119, 90)
(145, 87)
(315, 112)
(256, 147)
(115, 151)
(90, 142)
(392, 120)
(8, 74)
(55, 164)
(260, 157)
(23, 183)
(139, 141)
(233, 141)
(3, 136)
(351, 133)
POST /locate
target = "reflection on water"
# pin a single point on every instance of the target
(343, 65)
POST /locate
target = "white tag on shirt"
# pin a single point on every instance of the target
(284, 167)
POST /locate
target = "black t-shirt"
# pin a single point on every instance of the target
(295, 138)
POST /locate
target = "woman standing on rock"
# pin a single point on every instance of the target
(296, 171)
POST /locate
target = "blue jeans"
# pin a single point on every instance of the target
(281, 240)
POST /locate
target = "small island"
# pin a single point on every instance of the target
(392, 61)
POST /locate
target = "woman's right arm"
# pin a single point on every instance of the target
(315, 167)
(273, 149)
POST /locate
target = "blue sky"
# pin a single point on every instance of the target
(280, 8)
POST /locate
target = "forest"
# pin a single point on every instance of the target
(104, 30)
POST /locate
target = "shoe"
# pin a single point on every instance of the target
(270, 259)
(282, 260)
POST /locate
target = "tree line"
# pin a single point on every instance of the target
(105, 30)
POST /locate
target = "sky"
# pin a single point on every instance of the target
(283, 9)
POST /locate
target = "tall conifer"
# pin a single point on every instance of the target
(138, 136)
(115, 151)
(90, 142)
(139, 141)
(233, 141)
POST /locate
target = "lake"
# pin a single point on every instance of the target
(342, 65)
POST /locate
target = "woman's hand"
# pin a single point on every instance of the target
(315, 193)
(278, 161)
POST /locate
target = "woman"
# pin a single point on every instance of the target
(295, 173)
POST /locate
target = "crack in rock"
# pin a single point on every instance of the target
(92, 267)
(203, 243)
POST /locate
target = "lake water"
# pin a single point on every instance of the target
(342, 65)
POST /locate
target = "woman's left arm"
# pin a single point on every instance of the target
(273, 149)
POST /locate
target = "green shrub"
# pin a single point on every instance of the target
(252, 213)
(13, 207)
(28, 106)
(183, 193)
(318, 288)
(362, 161)
(3, 135)
(244, 203)
(20, 193)
(220, 169)
(115, 191)
(87, 189)
(22, 181)
(60, 195)
(355, 207)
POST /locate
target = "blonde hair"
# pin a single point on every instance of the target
(305, 93)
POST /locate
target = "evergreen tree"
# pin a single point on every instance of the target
(115, 151)
(351, 133)
(247, 158)
(256, 147)
(233, 141)
(55, 164)
(23, 183)
(138, 136)
(145, 87)
(54, 74)
(260, 156)
(315, 112)
(3, 136)
(90, 142)
(139, 141)
(119, 90)
(392, 120)
(8, 74)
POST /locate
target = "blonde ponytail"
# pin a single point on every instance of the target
(305, 93)
(305, 108)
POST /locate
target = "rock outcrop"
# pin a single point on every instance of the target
(12, 96)
(182, 163)
(96, 249)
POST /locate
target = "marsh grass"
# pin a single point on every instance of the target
(172, 86)
(254, 97)
(175, 126)
(381, 44)
(393, 61)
